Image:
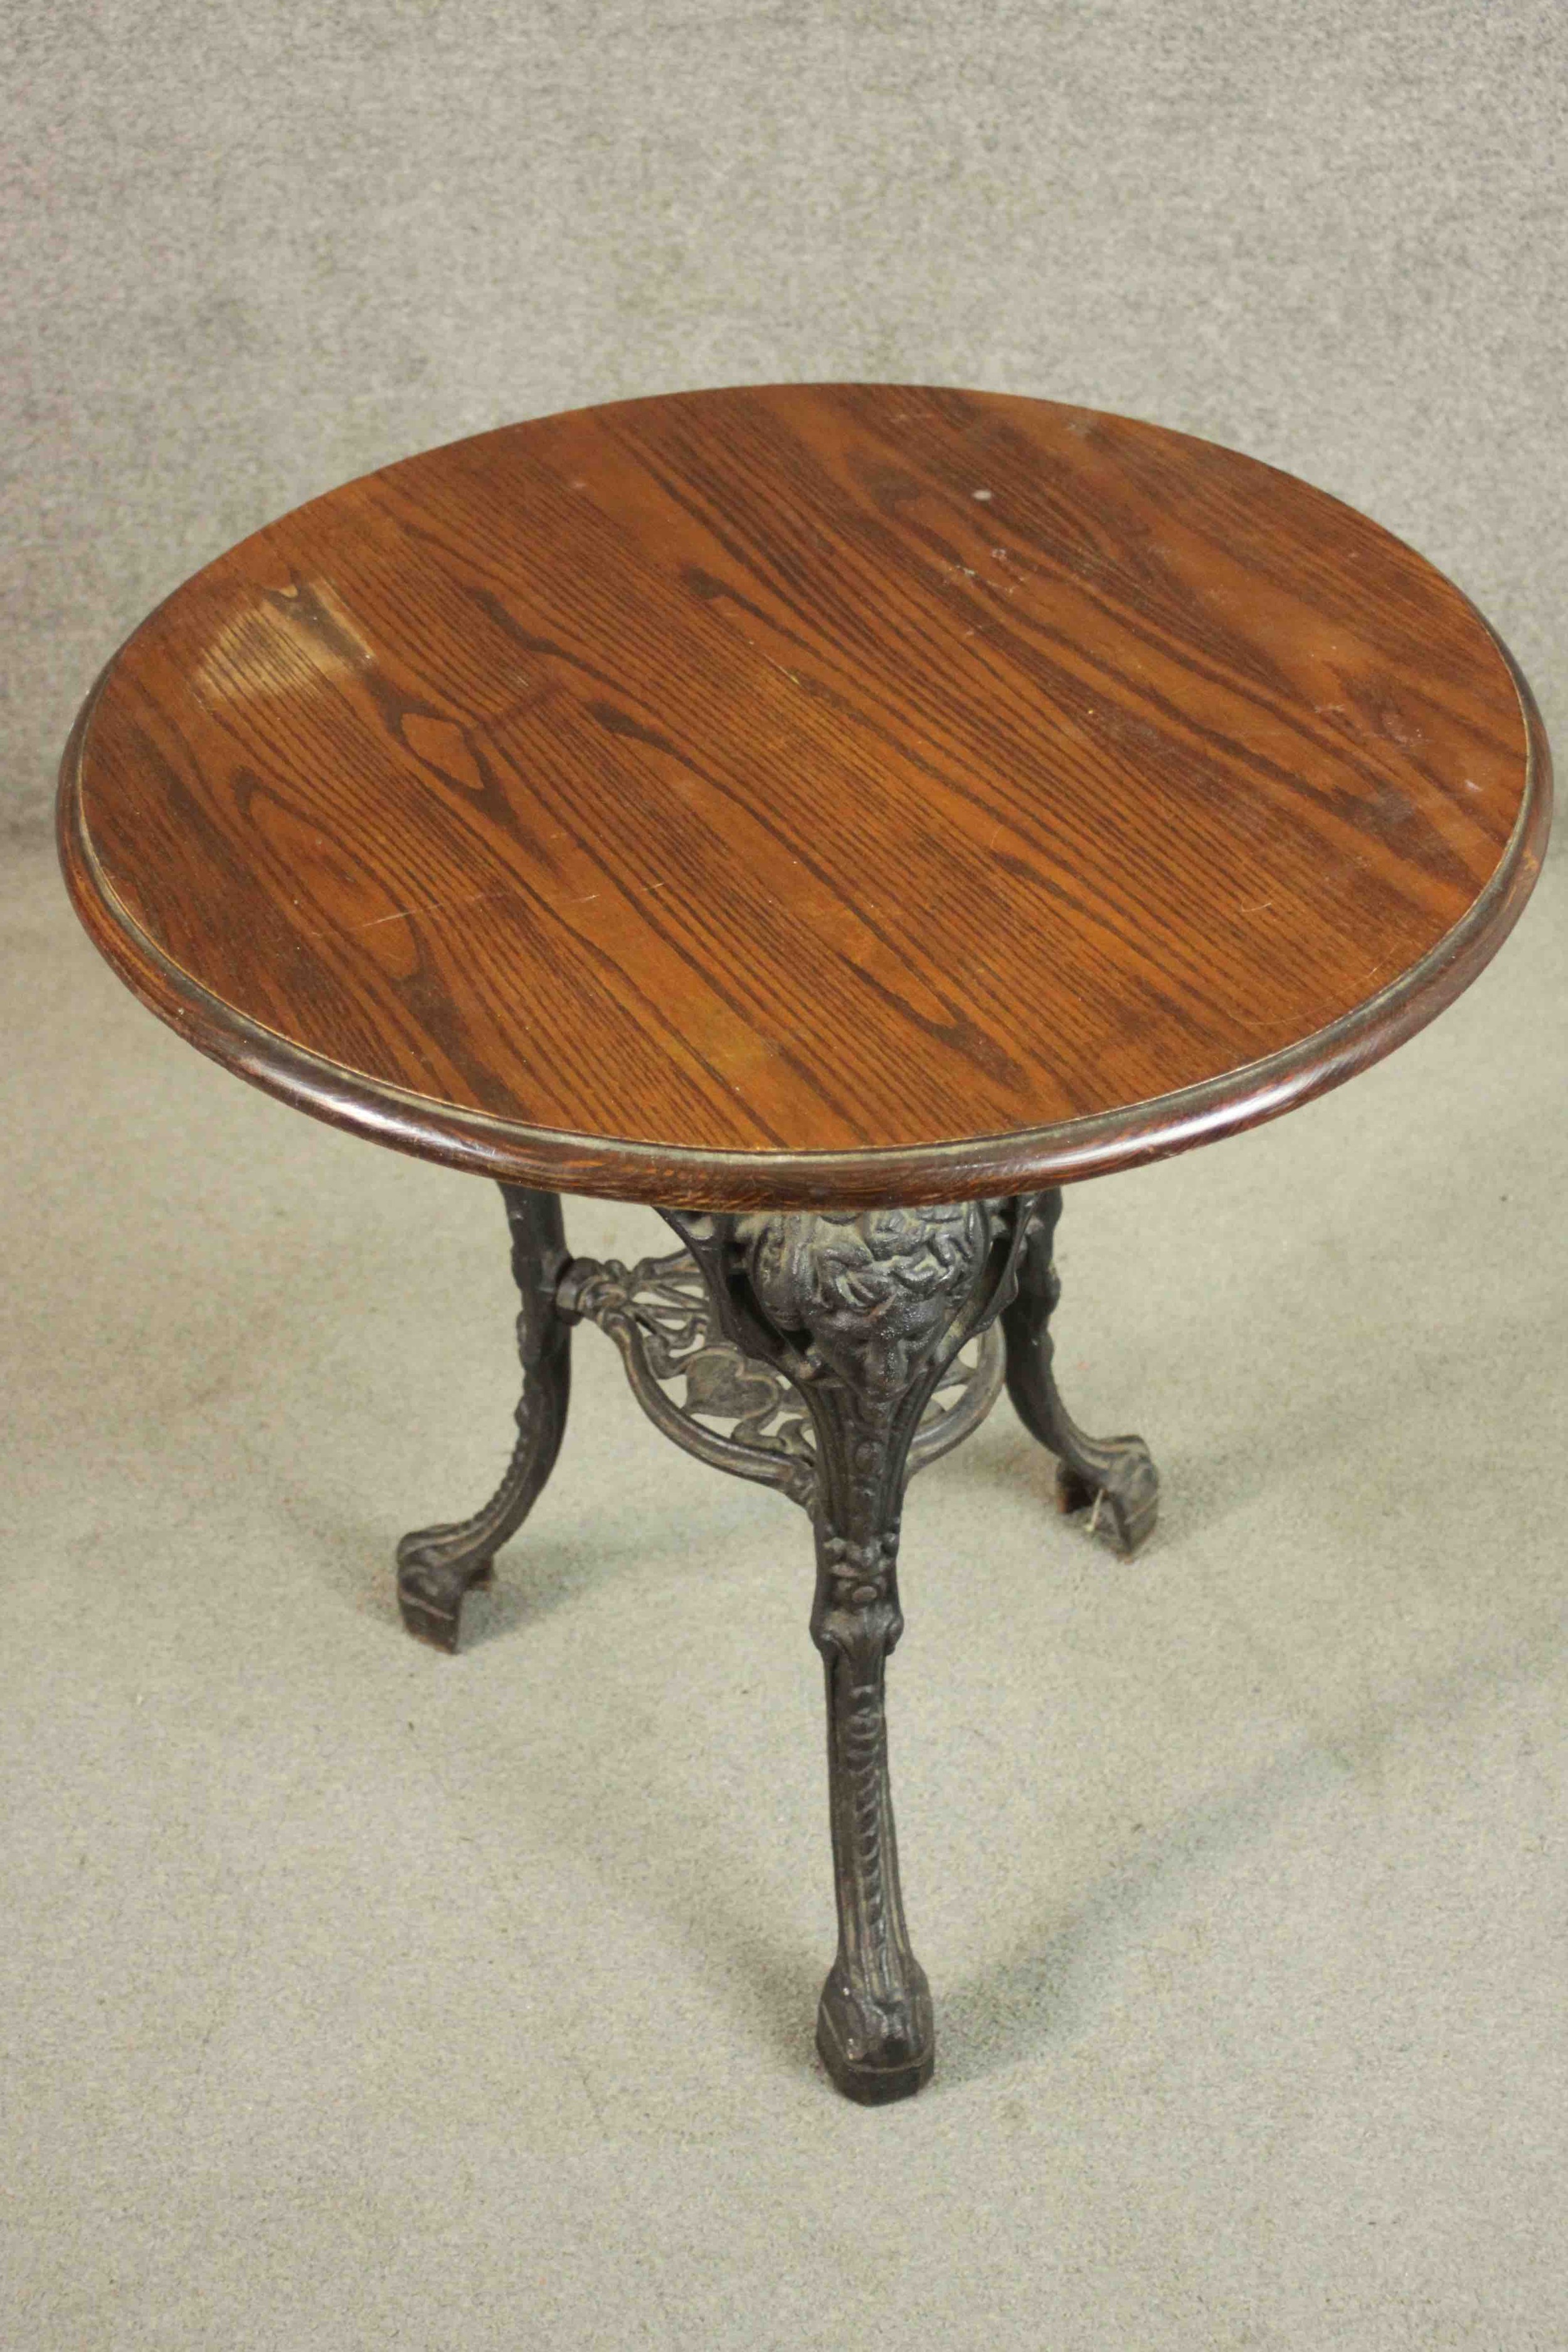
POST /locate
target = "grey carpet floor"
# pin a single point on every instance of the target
(354, 1996)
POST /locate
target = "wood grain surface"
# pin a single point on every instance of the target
(809, 794)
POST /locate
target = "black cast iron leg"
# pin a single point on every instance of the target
(1111, 1477)
(863, 1310)
(875, 2027)
(436, 1566)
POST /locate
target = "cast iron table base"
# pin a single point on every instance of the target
(841, 1350)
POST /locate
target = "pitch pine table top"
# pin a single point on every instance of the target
(808, 795)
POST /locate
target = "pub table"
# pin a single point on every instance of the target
(840, 816)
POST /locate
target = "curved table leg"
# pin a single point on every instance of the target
(863, 1311)
(436, 1566)
(1111, 1475)
(875, 2026)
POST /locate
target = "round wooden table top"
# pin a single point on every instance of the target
(807, 795)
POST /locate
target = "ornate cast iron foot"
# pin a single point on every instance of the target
(1112, 1478)
(862, 1312)
(437, 1566)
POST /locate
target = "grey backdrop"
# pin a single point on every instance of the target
(257, 250)
(352, 1997)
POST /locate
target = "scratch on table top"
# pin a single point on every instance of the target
(398, 915)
